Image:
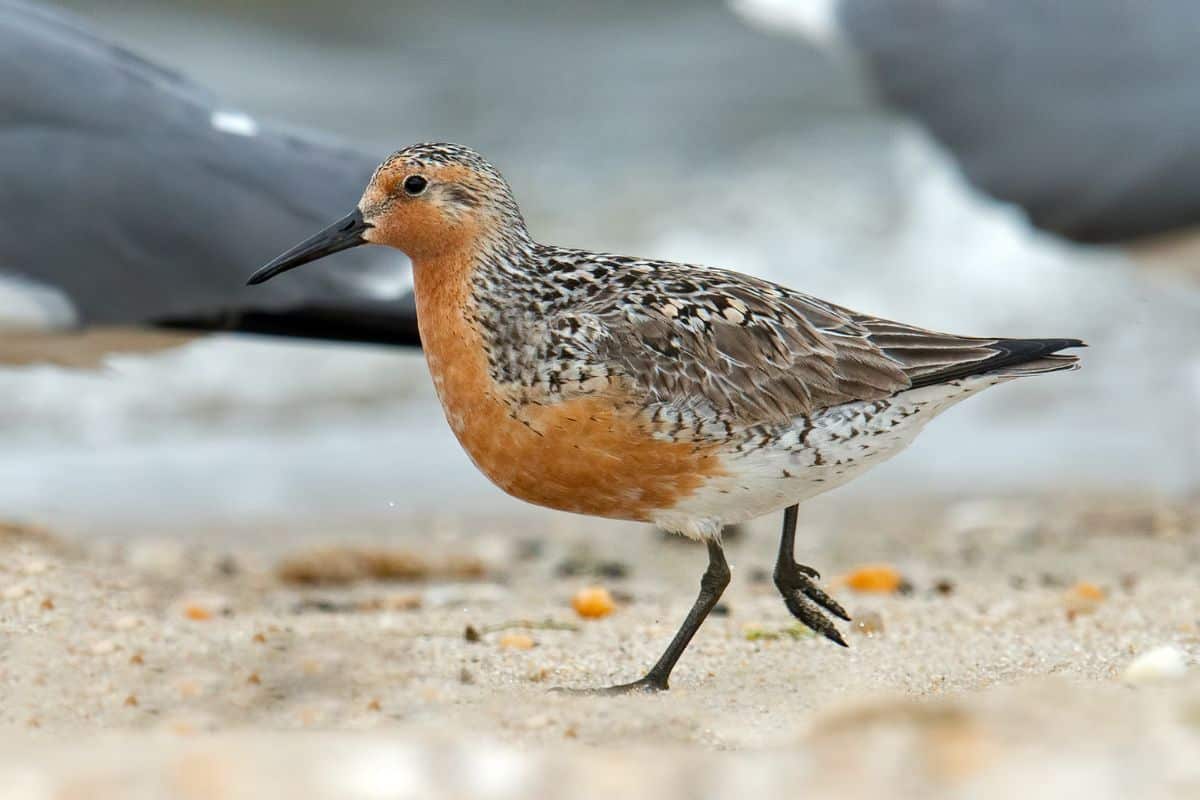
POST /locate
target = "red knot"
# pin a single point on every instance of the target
(686, 396)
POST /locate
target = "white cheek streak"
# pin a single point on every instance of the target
(234, 122)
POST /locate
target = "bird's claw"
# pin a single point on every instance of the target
(805, 599)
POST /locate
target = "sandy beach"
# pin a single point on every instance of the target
(357, 666)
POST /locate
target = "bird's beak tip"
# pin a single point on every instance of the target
(347, 232)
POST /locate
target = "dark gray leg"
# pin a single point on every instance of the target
(712, 584)
(797, 584)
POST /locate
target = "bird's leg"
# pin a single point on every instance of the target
(797, 584)
(712, 584)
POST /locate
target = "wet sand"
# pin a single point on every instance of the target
(279, 663)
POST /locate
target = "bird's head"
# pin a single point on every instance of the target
(427, 200)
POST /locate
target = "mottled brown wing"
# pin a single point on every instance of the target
(720, 345)
(745, 355)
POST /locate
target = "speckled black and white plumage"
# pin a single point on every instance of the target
(787, 382)
(795, 394)
(784, 382)
(799, 394)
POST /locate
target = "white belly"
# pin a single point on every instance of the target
(772, 469)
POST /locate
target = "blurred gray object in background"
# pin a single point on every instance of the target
(132, 196)
(1083, 112)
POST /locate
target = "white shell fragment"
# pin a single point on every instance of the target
(1163, 663)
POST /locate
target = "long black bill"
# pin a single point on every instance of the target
(342, 235)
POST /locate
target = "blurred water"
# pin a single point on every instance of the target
(665, 129)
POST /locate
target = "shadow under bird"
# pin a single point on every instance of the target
(114, 173)
(681, 395)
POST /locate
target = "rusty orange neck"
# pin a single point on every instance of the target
(454, 348)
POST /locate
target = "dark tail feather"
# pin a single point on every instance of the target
(1013, 356)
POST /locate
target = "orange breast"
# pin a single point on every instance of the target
(590, 455)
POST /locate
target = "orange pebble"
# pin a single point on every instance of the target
(1082, 598)
(1087, 591)
(197, 613)
(875, 578)
(593, 602)
(517, 641)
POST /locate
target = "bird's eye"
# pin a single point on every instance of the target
(414, 185)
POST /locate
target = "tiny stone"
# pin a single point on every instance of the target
(612, 569)
(465, 677)
(471, 634)
(868, 623)
(569, 567)
(944, 586)
(1162, 663)
(517, 641)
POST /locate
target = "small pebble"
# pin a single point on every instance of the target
(1082, 598)
(868, 623)
(1163, 663)
(944, 586)
(465, 677)
(875, 579)
(593, 602)
(196, 612)
(517, 641)
(471, 634)
(614, 570)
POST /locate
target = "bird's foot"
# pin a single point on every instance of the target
(805, 599)
(650, 684)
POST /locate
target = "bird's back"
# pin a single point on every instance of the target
(705, 349)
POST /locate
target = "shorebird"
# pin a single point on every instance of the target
(113, 173)
(682, 395)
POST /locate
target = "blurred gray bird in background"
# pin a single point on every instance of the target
(1083, 112)
(131, 198)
